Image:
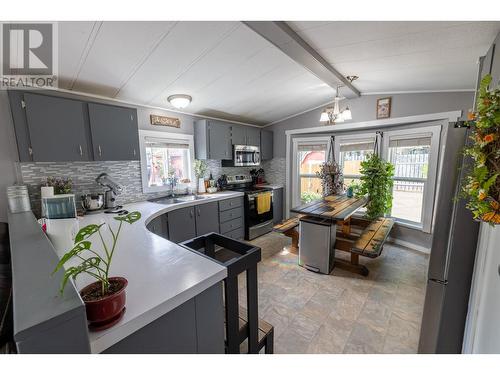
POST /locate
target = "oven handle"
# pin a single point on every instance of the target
(262, 225)
(250, 196)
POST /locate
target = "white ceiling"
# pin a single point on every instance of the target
(233, 73)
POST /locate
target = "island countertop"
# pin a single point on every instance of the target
(161, 274)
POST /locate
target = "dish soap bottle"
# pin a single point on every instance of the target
(211, 181)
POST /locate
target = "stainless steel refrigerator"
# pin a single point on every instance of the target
(452, 254)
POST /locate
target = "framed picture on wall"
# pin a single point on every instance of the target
(384, 107)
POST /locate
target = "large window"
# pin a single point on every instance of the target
(410, 158)
(309, 155)
(165, 157)
(352, 152)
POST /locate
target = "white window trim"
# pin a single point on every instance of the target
(295, 193)
(349, 138)
(430, 185)
(171, 138)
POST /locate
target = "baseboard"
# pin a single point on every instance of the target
(410, 245)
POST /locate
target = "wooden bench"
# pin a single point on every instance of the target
(288, 228)
(373, 237)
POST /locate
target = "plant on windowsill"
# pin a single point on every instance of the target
(376, 183)
(104, 299)
(200, 169)
(482, 185)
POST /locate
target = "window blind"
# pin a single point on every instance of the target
(164, 143)
(357, 146)
(410, 142)
(311, 147)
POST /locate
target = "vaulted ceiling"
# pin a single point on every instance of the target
(232, 72)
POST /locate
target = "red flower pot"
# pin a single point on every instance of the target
(104, 312)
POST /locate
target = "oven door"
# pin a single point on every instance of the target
(253, 217)
(246, 156)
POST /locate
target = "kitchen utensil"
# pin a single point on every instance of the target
(92, 202)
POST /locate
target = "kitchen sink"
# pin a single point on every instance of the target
(180, 199)
(189, 198)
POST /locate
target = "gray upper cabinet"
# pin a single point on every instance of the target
(207, 218)
(253, 136)
(114, 132)
(245, 135)
(181, 224)
(57, 129)
(266, 145)
(212, 140)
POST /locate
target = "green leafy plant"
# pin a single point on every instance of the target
(308, 196)
(200, 168)
(376, 182)
(482, 185)
(95, 265)
(61, 185)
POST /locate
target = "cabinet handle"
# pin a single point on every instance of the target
(191, 213)
(30, 151)
(100, 151)
(198, 212)
(81, 151)
(134, 152)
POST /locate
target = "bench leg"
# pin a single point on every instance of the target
(294, 235)
(269, 348)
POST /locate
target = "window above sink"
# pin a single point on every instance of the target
(164, 156)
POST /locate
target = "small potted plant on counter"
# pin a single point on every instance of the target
(105, 298)
(200, 168)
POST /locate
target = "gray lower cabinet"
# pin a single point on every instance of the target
(231, 217)
(212, 140)
(207, 218)
(56, 127)
(196, 326)
(159, 226)
(181, 224)
(114, 132)
(277, 205)
(266, 145)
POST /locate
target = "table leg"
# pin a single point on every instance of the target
(294, 235)
(345, 245)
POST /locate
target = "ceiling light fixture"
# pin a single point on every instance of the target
(179, 101)
(333, 115)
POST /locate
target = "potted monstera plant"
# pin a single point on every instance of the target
(105, 298)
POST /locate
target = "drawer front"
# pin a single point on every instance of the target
(228, 204)
(230, 214)
(229, 226)
(237, 234)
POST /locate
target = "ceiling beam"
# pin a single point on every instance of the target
(281, 35)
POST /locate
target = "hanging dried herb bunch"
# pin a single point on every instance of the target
(482, 186)
(332, 178)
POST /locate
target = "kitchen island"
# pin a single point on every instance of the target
(165, 282)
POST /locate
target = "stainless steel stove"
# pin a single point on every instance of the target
(257, 222)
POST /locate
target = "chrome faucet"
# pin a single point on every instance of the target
(173, 184)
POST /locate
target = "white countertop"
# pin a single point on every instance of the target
(161, 275)
(272, 186)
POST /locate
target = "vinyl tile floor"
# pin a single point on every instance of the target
(341, 312)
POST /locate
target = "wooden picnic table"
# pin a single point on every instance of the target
(339, 209)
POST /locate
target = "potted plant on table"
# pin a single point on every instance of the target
(376, 183)
(104, 299)
(482, 185)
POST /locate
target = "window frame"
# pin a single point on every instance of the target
(430, 184)
(351, 137)
(170, 138)
(295, 166)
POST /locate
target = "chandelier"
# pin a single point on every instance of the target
(333, 115)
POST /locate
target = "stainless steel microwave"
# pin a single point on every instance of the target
(246, 156)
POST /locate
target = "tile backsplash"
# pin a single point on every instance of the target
(126, 173)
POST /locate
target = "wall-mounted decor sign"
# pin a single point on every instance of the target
(384, 108)
(165, 121)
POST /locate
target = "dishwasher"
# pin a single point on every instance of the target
(317, 244)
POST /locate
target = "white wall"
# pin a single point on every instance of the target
(363, 109)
